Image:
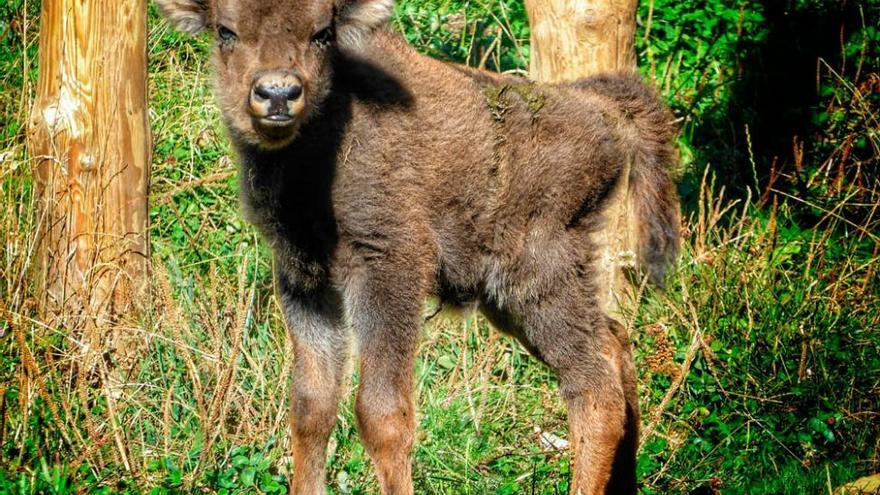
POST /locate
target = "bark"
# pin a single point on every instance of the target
(573, 39)
(90, 144)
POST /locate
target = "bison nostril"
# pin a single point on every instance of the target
(294, 91)
(261, 92)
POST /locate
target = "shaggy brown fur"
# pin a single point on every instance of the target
(394, 176)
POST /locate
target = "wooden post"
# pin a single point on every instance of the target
(573, 39)
(90, 143)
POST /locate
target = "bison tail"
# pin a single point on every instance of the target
(655, 203)
(651, 140)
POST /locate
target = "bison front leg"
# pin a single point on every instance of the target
(320, 353)
(386, 416)
(385, 313)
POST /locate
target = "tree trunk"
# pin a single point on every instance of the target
(578, 38)
(89, 139)
(573, 39)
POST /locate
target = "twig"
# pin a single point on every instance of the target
(673, 389)
(696, 344)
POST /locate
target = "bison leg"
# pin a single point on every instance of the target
(623, 472)
(597, 381)
(386, 320)
(386, 417)
(320, 353)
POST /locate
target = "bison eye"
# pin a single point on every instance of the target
(225, 34)
(324, 36)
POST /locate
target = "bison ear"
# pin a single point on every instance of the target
(186, 16)
(359, 18)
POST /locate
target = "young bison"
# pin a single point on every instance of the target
(380, 176)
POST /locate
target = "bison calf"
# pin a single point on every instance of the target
(380, 176)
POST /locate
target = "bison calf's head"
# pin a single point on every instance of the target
(273, 59)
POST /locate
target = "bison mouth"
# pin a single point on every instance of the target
(276, 129)
(277, 120)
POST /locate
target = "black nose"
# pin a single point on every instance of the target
(276, 95)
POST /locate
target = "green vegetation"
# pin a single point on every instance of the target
(759, 366)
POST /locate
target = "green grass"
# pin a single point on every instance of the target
(759, 366)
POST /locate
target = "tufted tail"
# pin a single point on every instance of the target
(652, 186)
